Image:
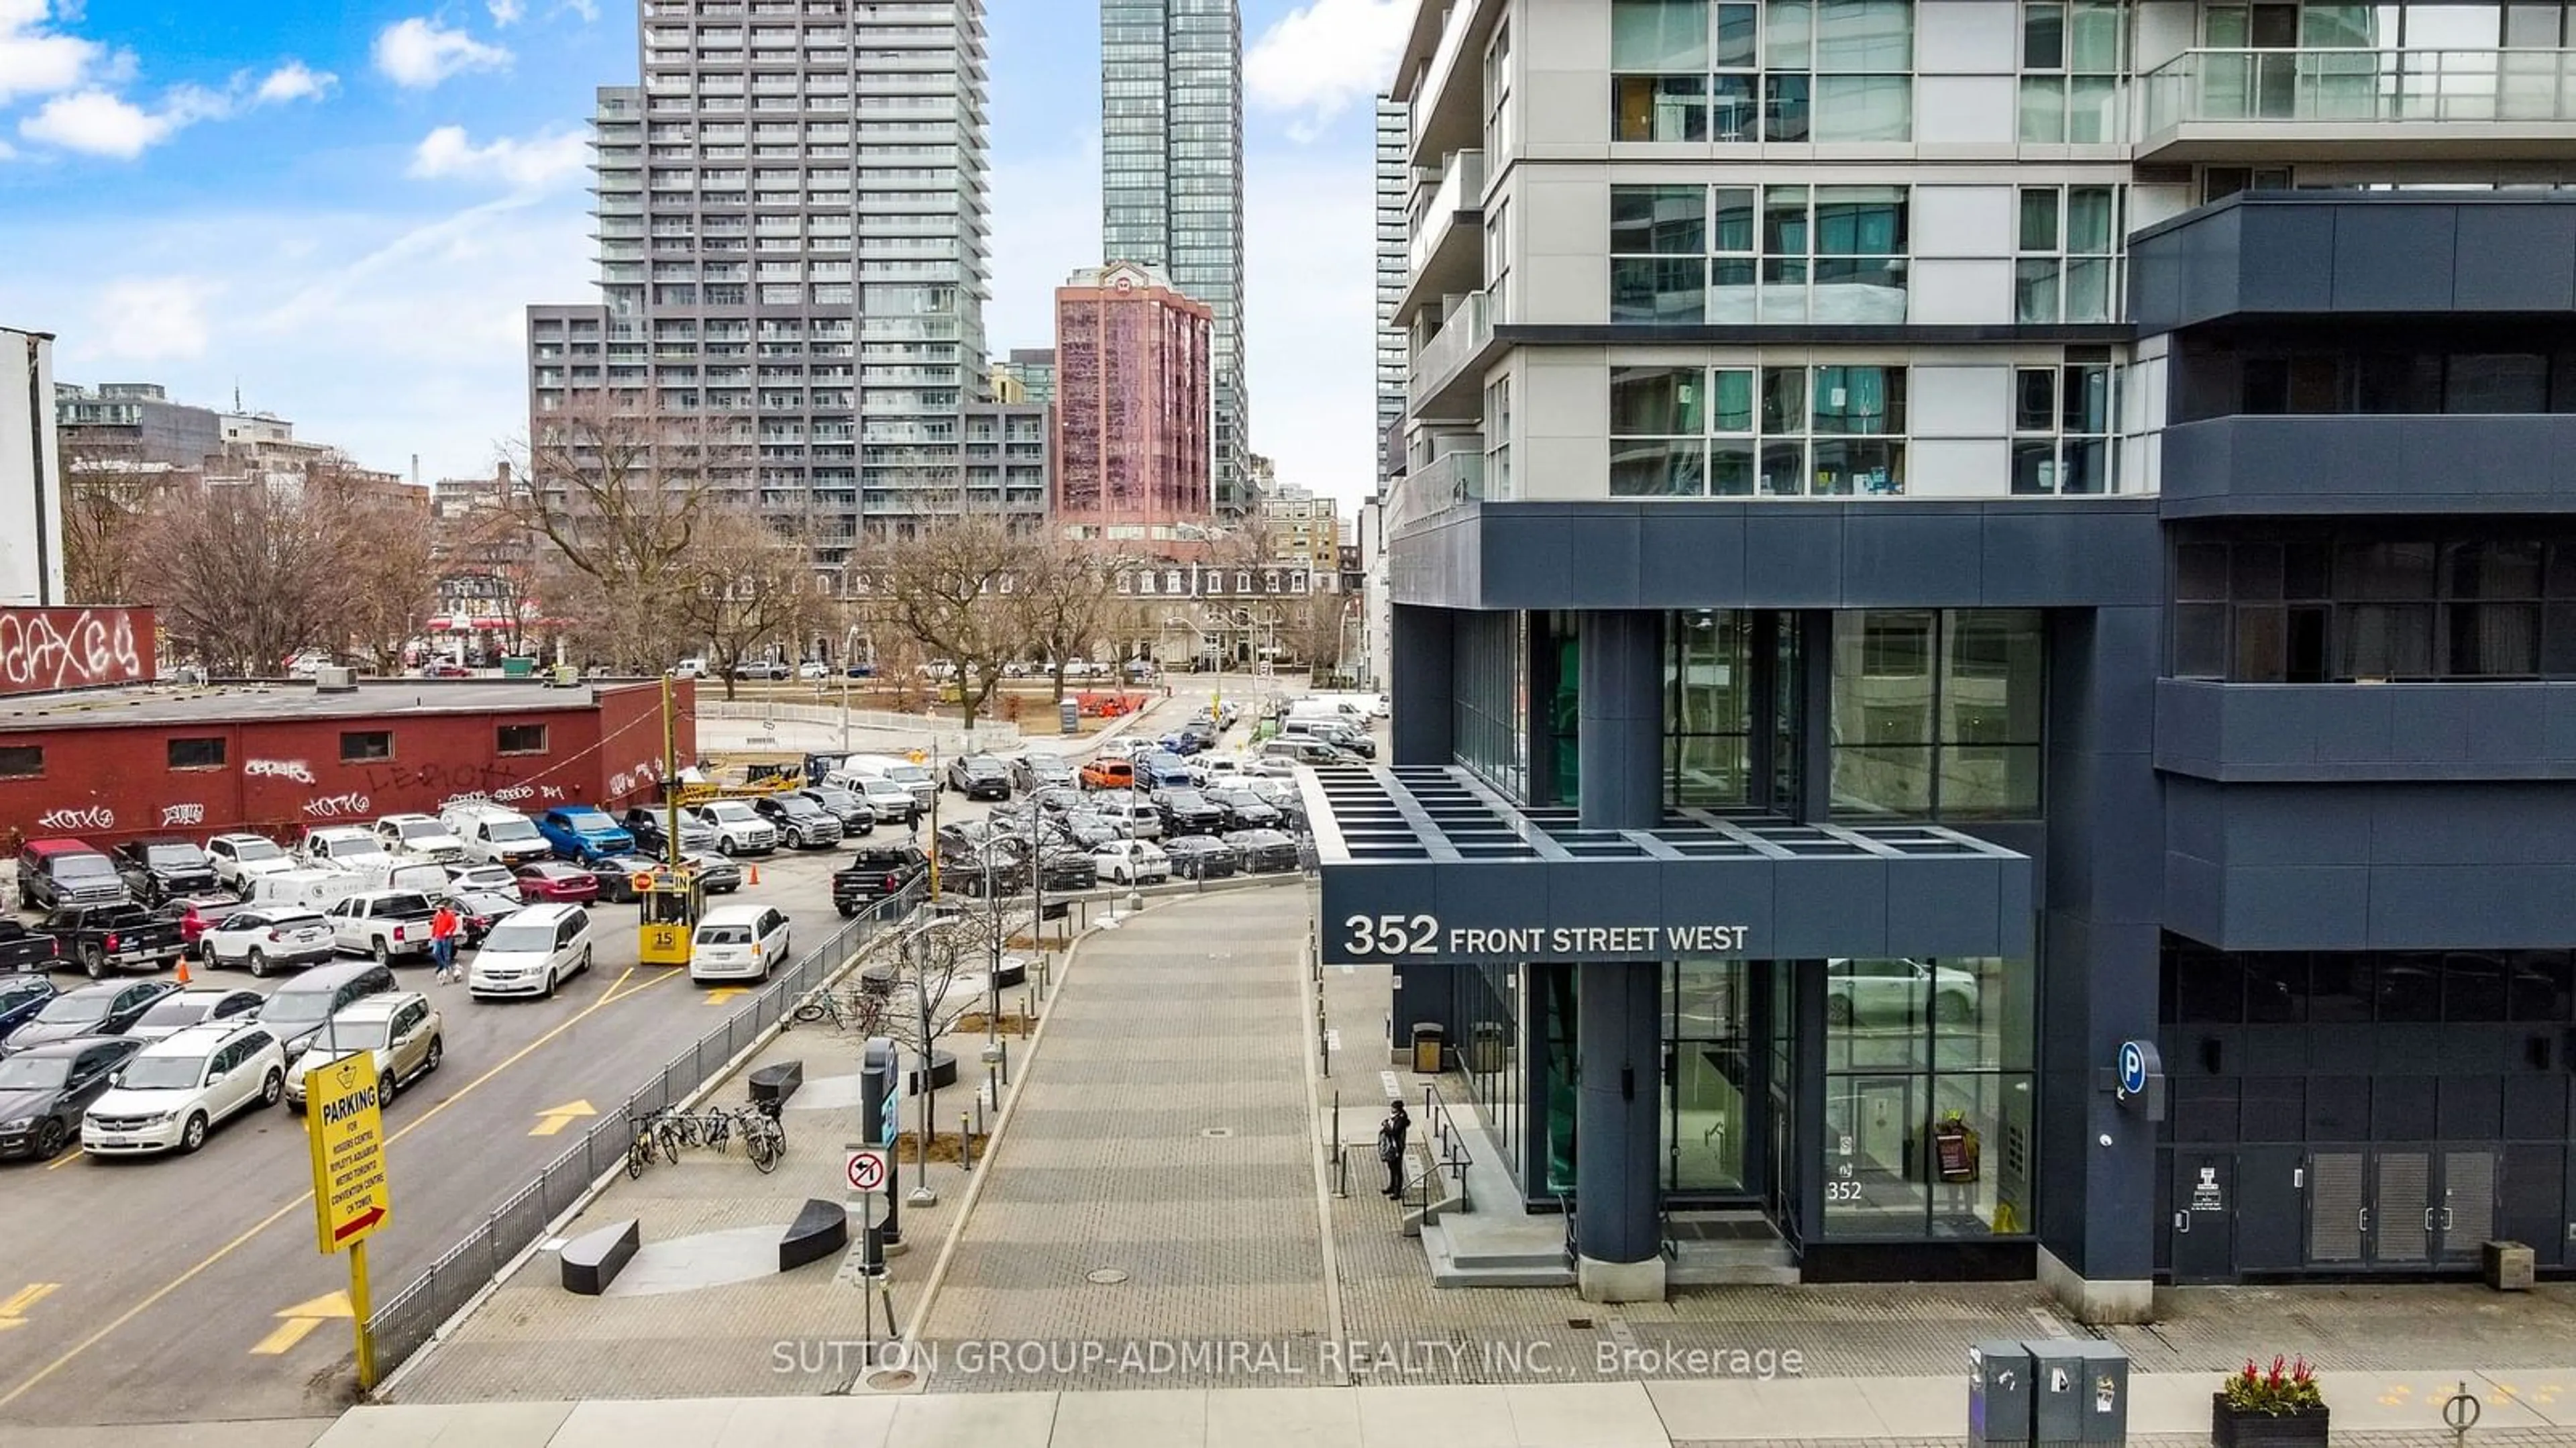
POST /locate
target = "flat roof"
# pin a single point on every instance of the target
(263, 700)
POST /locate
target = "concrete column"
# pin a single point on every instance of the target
(1619, 1253)
(1419, 687)
(1621, 714)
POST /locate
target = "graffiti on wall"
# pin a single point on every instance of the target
(95, 817)
(642, 776)
(289, 769)
(68, 648)
(182, 814)
(465, 783)
(327, 806)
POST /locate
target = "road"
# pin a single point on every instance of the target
(164, 1289)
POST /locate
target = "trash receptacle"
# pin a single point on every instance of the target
(2105, 1391)
(1998, 1395)
(2057, 1391)
(1428, 1037)
(1068, 717)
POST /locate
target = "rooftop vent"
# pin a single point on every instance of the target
(334, 679)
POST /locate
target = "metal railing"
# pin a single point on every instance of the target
(1447, 1144)
(2324, 86)
(414, 1312)
(984, 737)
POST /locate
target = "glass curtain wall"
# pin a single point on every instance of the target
(1490, 713)
(1713, 1085)
(1937, 713)
(1488, 1002)
(1928, 1097)
(1708, 707)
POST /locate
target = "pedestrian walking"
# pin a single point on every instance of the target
(443, 926)
(1390, 1144)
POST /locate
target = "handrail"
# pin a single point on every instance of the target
(1565, 1205)
(2276, 84)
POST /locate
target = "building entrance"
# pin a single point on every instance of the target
(1717, 1106)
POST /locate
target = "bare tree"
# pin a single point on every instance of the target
(248, 576)
(1066, 595)
(949, 589)
(1310, 629)
(388, 586)
(107, 521)
(750, 588)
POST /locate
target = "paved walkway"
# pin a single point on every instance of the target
(1154, 1181)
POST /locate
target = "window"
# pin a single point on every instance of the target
(2068, 252)
(1686, 255)
(2070, 62)
(197, 753)
(1928, 1120)
(1937, 713)
(1708, 707)
(22, 761)
(358, 746)
(2062, 429)
(522, 739)
(1736, 70)
(1735, 431)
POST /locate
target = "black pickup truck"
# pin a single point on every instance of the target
(877, 872)
(102, 938)
(22, 949)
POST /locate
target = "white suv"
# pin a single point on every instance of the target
(420, 837)
(241, 858)
(342, 847)
(180, 1087)
(739, 828)
(738, 942)
(530, 952)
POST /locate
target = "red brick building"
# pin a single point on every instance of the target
(122, 762)
(1131, 405)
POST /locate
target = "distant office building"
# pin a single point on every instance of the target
(134, 423)
(1131, 422)
(1304, 527)
(1171, 189)
(1031, 370)
(31, 499)
(1006, 384)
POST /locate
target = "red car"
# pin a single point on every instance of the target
(196, 917)
(553, 880)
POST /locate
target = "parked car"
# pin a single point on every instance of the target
(993, 866)
(856, 815)
(615, 876)
(1245, 810)
(531, 952)
(1087, 829)
(719, 875)
(979, 776)
(739, 942)
(877, 871)
(44, 1089)
(478, 910)
(420, 837)
(554, 881)
(22, 949)
(198, 916)
(1188, 812)
(402, 1028)
(887, 798)
(1348, 738)
(383, 924)
(305, 1004)
(801, 823)
(240, 859)
(739, 828)
(1160, 768)
(761, 669)
(21, 996)
(481, 877)
(1107, 772)
(194, 1006)
(582, 833)
(105, 1009)
(1066, 866)
(343, 847)
(1059, 799)
(175, 1090)
(1135, 818)
(103, 938)
(1200, 857)
(54, 873)
(264, 938)
(1263, 852)
(813, 669)
(1036, 769)
(158, 870)
(1897, 991)
(1131, 862)
(495, 835)
(1307, 750)
(651, 838)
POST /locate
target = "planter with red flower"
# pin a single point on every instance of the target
(2276, 1407)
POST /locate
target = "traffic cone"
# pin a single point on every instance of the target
(754, 875)
(183, 970)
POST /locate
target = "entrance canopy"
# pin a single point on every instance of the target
(1430, 864)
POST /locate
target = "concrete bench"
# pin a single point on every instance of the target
(592, 1260)
(772, 1085)
(821, 1229)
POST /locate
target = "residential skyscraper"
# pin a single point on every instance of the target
(1131, 416)
(1394, 199)
(792, 249)
(1171, 184)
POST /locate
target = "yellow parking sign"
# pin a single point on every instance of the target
(350, 1196)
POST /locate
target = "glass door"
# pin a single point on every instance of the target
(1712, 1080)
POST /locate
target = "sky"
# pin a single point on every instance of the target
(341, 207)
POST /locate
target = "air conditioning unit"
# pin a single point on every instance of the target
(335, 679)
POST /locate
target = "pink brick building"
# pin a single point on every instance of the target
(1132, 408)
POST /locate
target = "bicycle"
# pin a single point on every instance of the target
(716, 1130)
(639, 1150)
(674, 1130)
(855, 1010)
(763, 1140)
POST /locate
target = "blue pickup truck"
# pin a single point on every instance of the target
(584, 833)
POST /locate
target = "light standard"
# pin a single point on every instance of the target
(849, 655)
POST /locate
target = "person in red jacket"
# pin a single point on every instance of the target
(442, 940)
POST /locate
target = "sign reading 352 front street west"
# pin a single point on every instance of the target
(1388, 937)
(350, 1197)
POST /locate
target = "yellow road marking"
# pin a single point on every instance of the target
(281, 1214)
(555, 1118)
(63, 1161)
(13, 1312)
(299, 1322)
(719, 995)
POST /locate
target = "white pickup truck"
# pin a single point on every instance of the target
(381, 923)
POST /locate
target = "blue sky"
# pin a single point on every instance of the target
(341, 206)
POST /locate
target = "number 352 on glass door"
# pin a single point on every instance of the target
(1378, 937)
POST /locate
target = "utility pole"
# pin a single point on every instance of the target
(670, 780)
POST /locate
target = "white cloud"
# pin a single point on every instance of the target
(35, 61)
(98, 123)
(1323, 56)
(151, 319)
(417, 53)
(505, 12)
(293, 81)
(586, 9)
(535, 164)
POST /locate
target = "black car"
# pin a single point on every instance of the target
(1067, 867)
(158, 870)
(1188, 812)
(980, 776)
(802, 824)
(996, 867)
(21, 996)
(646, 827)
(876, 872)
(105, 1009)
(1088, 830)
(841, 804)
(1245, 810)
(1060, 799)
(616, 875)
(479, 910)
(719, 875)
(1199, 857)
(1281, 795)
(44, 1089)
(1039, 770)
(1264, 852)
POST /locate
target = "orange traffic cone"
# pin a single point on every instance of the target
(755, 875)
(183, 970)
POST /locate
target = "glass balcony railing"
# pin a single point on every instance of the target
(1452, 479)
(1465, 334)
(2308, 86)
(1435, 216)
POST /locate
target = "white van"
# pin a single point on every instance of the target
(496, 836)
(530, 952)
(1370, 705)
(915, 778)
(738, 942)
(313, 889)
(341, 846)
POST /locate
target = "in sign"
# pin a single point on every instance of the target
(865, 1169)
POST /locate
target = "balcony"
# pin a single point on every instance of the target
(1448, 250)
(1452, 479)
(2269, 106)
(2370, 464)
(1448, 43)
(1449, 371)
